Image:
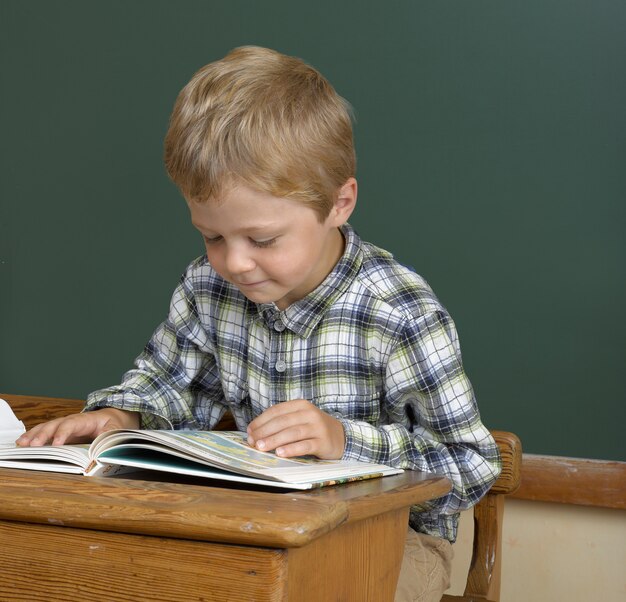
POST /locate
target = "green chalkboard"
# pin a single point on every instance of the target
(491, 141)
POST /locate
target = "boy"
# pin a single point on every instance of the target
(317, 342)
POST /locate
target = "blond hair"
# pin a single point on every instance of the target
(263, 119)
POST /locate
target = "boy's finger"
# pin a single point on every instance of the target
(277, 411)
(285, 407)
(282, 425)
(76, 429)
(284, 436)
(38, 435)
(53, 432)
(306, 447)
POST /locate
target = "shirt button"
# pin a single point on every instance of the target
(279, 326)
(281, 366)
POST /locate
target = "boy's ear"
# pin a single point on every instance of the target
(345, 202)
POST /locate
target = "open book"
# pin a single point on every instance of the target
(223, 455)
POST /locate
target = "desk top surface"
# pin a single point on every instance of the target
(196, 510)
(164, 505)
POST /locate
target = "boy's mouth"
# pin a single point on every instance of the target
(251, 284)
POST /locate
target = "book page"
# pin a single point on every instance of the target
(53, 458)
(10, 427)
(227, 450)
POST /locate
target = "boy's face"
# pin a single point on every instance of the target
(272, 249)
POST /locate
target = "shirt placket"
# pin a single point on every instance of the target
(279, 360)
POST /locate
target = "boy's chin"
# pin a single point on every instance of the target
(260, 299)
(268, 292)
(260, 296)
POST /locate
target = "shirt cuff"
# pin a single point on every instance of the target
(149, 419)
(365, 442)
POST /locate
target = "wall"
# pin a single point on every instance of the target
(554, 552)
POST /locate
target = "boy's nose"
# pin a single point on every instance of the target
(238, 261)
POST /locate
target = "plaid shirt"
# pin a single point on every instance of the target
(371, 345)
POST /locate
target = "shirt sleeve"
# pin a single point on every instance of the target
(175, 382)
(433, 420)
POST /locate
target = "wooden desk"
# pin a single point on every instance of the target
(72, 538)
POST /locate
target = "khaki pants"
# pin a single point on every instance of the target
(426, 568)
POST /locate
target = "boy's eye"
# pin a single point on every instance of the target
(256, 243)
(213, 240)
(264, 243)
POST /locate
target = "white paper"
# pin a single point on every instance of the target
(10, 427)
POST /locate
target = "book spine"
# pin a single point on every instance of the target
(98, 469)
(366, 477)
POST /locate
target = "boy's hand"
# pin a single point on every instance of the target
(79, 428)
(297, 428)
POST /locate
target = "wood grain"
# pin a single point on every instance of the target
(597, 483)
(511, 453)
(361, 560)
(484, 576)
(198, 511)
(357, 562)
(166, 509)
(56, 564)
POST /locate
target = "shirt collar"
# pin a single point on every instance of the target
(303, 316)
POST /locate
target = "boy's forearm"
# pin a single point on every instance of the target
(132, 411)
(470, 467)
(150, 409)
